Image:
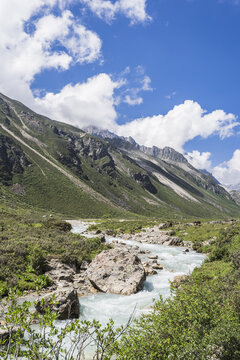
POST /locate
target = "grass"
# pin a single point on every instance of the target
(122, 226)
(27, 240)
(110, 174)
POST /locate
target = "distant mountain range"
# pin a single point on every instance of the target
(234, 187)
(95, 173)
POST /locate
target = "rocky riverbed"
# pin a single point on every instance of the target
(139, 266)
(121, 270)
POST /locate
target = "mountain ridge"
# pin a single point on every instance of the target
(73, 172)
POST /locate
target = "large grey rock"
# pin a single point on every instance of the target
(65, 304)
(59, 273)
(116, 271)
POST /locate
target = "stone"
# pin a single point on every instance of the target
(188, 244)
(175, 241)
(157, 267)
(165, 225)
(59, 272)
(102, 238)
(110, 233)
(65, 304)
(116, 271)
(150, 271)
(179, 280)
(153, 257)
(84, 265)
(197, 223)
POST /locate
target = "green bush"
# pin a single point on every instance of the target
(219, 253)
(48, 340)
(58, 224)
(197, 324)
(37, 258)
(24, 249)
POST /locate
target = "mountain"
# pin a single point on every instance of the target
(235, 187)
(60, 168)
(236, 196)
(167, 158)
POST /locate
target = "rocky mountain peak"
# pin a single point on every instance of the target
(96, 131)
(166, 153)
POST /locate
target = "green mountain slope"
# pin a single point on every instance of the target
(60, 168)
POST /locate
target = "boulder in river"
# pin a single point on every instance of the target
(116, 271)
(65, 304)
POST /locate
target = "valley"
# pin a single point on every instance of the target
(63, 169)
(157, 238)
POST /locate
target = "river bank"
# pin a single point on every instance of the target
(175, 261)
(205, 292)
(162, 263)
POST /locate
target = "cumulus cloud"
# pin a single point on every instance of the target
(184, 122)
(84, 45)
(200, 160)
(94, 103)
(33, 38)
(135, 10)
(228, 173)
(88, 103)
(24, 54)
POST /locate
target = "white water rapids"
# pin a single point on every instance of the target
(102, 307)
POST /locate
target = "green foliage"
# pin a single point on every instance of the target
(49, 341)
(36, 258)
(70, 169)
(200, 321)
(58, 224)
(122, 227)
(24, 249)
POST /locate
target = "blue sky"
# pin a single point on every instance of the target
(166, 72)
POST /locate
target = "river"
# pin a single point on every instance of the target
(118, 307)
(102, 306)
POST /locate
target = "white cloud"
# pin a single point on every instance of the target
(200, 160)
(28, 47)
(142, 82)
(133, 100)
(25, 54)
(135, 10)
(184, 122)
(89, 103)
(84, 45)
(146, 84)
(228, 173)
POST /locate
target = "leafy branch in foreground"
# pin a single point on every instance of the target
(30, 335)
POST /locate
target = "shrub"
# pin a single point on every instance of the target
(58, 224)
(37, 258)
